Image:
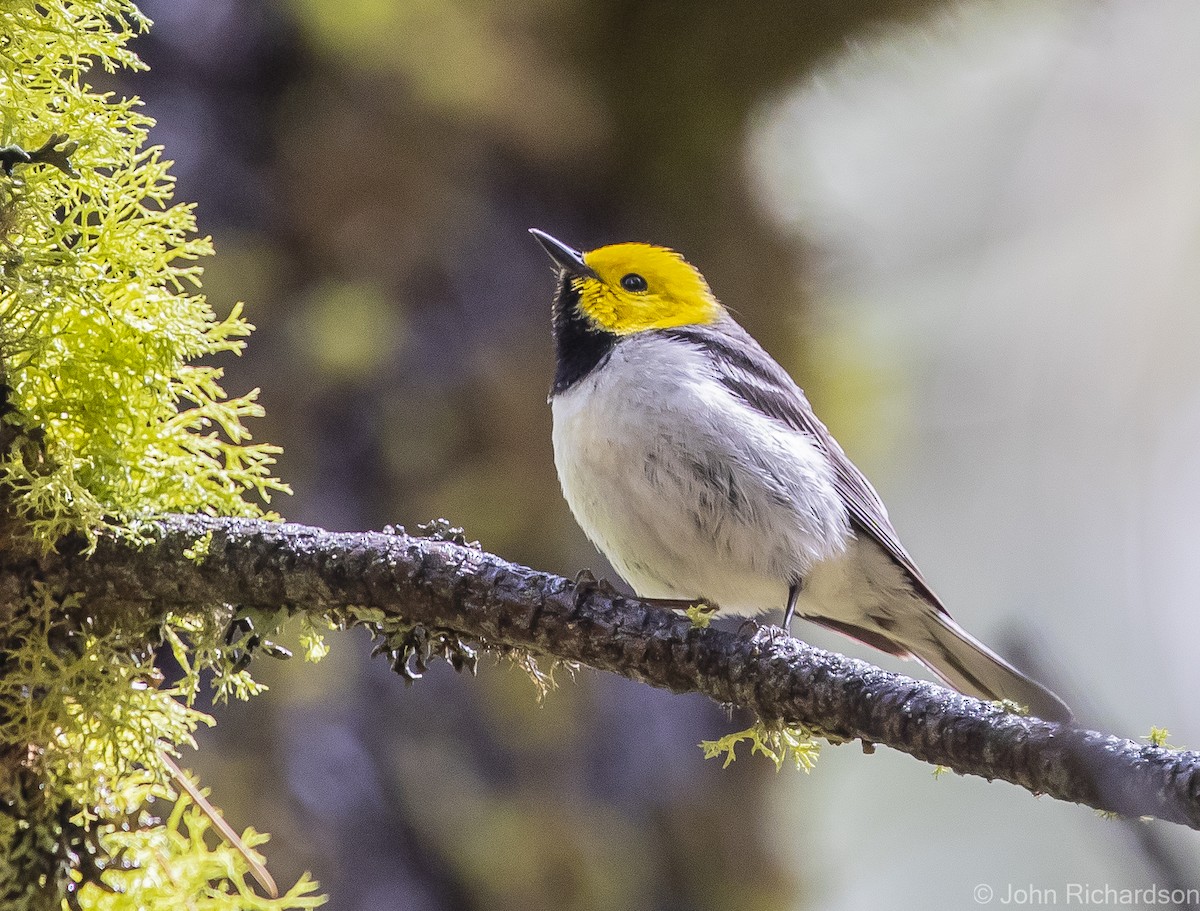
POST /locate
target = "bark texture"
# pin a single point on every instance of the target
(462, 590)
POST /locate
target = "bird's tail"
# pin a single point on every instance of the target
(871, 597)
(972, 668)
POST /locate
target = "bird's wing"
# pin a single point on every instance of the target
(752, 375)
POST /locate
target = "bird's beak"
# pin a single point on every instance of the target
(567, 258)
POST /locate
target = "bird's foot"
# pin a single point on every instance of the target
(766, 633)
(586, 583)
(749, 627)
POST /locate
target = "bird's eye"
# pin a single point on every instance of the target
(633, 282)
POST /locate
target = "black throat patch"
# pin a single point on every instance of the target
(579, 347)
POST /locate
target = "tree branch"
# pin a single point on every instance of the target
(450, 586)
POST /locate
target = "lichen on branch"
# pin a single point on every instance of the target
(101, 317)
(463, 591)
(110, 409)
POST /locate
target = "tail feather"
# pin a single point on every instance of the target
(868, 596)
(971, 667)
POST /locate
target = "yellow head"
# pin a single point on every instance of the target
(639, 286)
(629, 288)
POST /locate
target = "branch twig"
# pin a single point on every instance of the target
(450, 586)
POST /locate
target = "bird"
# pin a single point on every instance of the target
(696, 465)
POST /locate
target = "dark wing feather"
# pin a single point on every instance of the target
(752, 375)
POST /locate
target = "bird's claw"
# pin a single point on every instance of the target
(586, 583)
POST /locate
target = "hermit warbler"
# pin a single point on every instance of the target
(695, 463)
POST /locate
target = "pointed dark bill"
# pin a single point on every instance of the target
(567, 258)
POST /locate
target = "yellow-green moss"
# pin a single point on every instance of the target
(1158, 737)
(778, 743)
(100, 315)
(107, 418)
(203, 873)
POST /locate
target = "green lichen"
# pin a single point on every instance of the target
(199, 550)
(779, 743)
(101, 319)
(701, 614)
(109, 413)
(1158, 737)
(205, 874)
(312, 642)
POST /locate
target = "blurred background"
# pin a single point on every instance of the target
(970, 231)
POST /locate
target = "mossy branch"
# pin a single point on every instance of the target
(456, 589)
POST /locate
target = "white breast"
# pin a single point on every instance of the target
(689, 492)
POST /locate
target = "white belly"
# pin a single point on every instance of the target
(687, 491)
